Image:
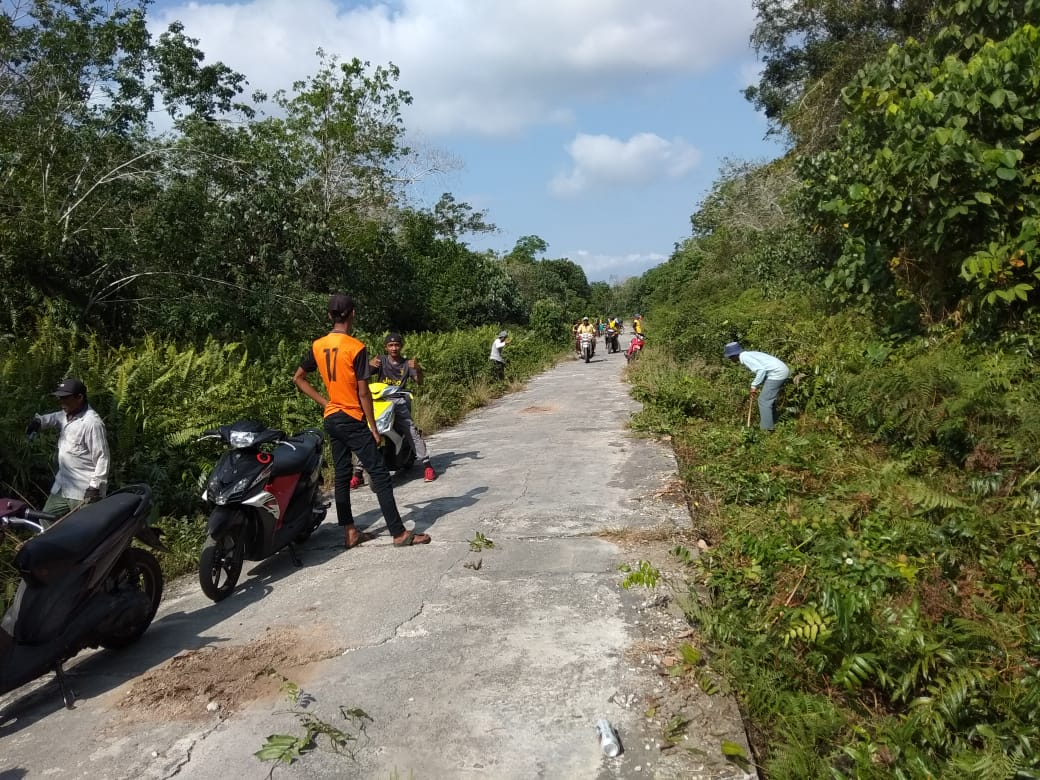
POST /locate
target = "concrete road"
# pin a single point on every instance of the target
(494, 663)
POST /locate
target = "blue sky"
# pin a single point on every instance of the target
(598, 125)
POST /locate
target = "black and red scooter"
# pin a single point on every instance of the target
(265, 493)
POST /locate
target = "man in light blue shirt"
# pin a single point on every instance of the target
(770, 375)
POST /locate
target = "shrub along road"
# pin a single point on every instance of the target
(494, 662)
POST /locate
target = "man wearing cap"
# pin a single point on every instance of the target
(770, 375)
(393, 368)
(585, 327)
(498, 363)
(83, 458)
(350, 421)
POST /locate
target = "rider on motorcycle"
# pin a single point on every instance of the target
(585, 327)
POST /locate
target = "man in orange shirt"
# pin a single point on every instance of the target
(350, 422)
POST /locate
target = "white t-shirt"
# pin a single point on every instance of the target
(83, 457)
(496, 350)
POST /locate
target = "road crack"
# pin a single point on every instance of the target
(182, 760)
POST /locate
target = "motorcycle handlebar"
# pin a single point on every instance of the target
(36, 514)
(25, 522)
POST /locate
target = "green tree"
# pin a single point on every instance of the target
(942, 194)
(79, 168)
(454, 220)
(812, 48)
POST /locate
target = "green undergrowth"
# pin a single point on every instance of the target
(871, 585)
(157, 397)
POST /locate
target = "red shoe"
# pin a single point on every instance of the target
(357, 481)
(429, 475)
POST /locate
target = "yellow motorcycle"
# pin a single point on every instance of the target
(397, 447)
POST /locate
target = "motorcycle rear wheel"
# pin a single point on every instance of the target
(221, 555)
(139, 570)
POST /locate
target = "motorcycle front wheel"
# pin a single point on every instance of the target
(137, 570)
(220, 564)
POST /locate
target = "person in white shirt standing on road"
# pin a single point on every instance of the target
(770, 375)
(83, 459)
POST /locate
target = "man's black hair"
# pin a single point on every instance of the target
(341, 307)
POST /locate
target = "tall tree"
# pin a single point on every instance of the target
(455, 220)
(932, 189)
(78, 168)
(812, 48)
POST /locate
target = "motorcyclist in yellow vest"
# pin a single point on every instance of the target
(585, 327)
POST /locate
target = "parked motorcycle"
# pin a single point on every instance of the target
(635, 347)
(611, 341)
(82, 584)
(397, 447)
(265, 495)
(585, 346)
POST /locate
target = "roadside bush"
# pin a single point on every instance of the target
(549, 321)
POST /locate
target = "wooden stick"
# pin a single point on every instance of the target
(750, 404)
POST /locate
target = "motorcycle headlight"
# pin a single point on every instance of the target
(220, 494)
(240, 439)
(213, 485)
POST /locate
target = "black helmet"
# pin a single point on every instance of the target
(393, 338)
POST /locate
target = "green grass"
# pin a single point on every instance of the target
(874, 601)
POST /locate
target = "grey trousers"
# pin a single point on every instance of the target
(767, 403)
(404, 421)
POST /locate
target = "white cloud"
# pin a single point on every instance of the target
(602, 161)
(491, 68)
(602, 268)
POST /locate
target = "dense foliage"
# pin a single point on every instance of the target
(115, 226)
(870, 588)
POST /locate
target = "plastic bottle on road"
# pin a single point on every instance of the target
(608, 739)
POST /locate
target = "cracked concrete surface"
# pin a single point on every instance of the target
(500, 671)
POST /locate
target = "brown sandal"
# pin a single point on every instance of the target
(412, 538)
(363, 536)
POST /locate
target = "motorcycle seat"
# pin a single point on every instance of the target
(291, 461)
(72, 539)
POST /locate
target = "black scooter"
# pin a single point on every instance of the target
(82, 584)
(265, 493)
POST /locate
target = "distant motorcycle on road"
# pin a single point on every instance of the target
(585, 346)
(635, 347)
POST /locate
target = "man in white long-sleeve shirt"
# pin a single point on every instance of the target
(83, 459)
(770, 375)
